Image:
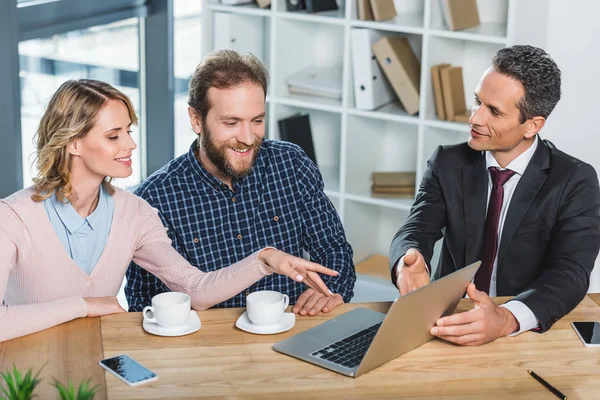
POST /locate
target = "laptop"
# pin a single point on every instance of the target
(363, 339)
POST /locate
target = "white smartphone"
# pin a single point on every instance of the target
(588, 332)
(128, 370)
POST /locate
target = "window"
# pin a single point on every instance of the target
(109, 53)
(187, 55)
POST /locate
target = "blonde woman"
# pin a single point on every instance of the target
(67, 241)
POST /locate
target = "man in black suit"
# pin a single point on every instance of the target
(528, 211)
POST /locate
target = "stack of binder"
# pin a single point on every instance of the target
(449, 93)
(316, 81)
(393, 184)
(460, 14)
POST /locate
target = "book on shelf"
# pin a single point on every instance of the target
(454, 94)
(296, 129)
(460, 14)
(383, 9)
(364, 10)
(238, 32)
(438, 93)
(393, 184)
(263, 3)
(317, 81)
(394, 179)
(400, 65)
(313, 6)
(371, 87)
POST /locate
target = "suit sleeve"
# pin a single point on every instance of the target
(573, 250)
(427, 218)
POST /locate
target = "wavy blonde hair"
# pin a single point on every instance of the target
(71, 114)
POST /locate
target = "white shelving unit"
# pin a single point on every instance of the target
(351, 143)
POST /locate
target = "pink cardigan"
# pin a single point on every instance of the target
(43, 287)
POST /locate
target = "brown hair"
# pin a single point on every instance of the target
(224, 69)
(71, 114)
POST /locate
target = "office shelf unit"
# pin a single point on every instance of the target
(351, 143)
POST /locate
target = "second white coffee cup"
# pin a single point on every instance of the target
(266, 307)
(169, 309)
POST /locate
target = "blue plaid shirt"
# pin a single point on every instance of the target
(281, 203)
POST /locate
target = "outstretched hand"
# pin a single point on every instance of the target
(299, 269)
(411, 272)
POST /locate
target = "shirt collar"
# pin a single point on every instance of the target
(518, 165)
(72, 220)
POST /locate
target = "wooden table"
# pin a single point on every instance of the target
(222, 361)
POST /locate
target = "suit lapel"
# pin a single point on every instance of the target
(475, 187)
(528, 187)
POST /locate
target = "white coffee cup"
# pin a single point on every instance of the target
(266, 307)
(169, 309)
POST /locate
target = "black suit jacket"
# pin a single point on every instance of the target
(551, 234)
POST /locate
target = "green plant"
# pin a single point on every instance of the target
(84, 392)
(19, 386)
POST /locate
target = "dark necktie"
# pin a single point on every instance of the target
(490, 236)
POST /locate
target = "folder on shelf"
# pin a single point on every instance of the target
(401, 66)
(371, 87)
(296, 129)
(383, 9)
(263, 3)
(237, 32)
(317, 81)
(438, 93)
(460, 14)
(454, 94)
(313, 6)
(294, 5)
(364, 10)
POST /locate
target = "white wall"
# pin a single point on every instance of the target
(573, 40)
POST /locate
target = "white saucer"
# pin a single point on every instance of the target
(287, 322)
(192, 326)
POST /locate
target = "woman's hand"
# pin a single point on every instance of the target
(99, 306)
(298, 269)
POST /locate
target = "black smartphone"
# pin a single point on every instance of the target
(128, 370)
(588, 332)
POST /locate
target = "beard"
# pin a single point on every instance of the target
(218, 154)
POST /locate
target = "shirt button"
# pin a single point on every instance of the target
(494, 279)
(276, 218)
(196, 240)
(239, 237)
(246, 293)
(233, 199)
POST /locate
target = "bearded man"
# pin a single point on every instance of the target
(235, 192)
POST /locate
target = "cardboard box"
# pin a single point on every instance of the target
(383, 9)
(460, 14)
(394, 179)
(438, 93)
(400, 65)
(454, 92)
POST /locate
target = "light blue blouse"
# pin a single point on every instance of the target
(83, 238)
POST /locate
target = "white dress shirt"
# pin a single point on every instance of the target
(523, 314)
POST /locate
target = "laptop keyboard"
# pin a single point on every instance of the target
(349, 351)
